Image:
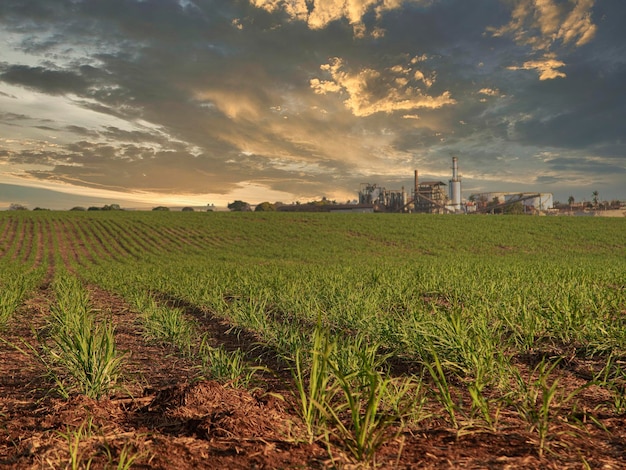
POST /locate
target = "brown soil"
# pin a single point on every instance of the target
(168, 417)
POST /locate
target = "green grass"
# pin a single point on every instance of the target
(461, 298)
(80, 352)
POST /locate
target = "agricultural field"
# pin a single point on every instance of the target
(282, 340)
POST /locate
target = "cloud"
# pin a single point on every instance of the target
(55, 82)
(208, 97)
(318, 14)
(547, 67)
(371, 91)
(542, 24)
(547, 27)
(489, 92)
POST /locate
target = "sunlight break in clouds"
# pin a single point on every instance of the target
(319, 13)
(489, 92)
(543, 23)
(370, 91)
(546, 24)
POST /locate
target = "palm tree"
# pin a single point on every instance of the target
(595, 195)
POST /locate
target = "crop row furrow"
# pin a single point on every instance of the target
(15, 242)
(9, 235)
(83, 244)
(371, 316)
(115, 239)
(40, 244)
(156, 238)
(134, 238)
(28, 242)
(102, 245)
(90, 241)
(67, 249)
(171, 239)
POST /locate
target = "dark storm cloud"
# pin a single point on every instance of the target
(584, 109)
(591, 166)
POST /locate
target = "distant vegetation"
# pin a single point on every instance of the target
(239, 206)
(106, 207)
(265, 207)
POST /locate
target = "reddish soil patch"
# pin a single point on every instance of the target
(170, 420)
(161, 413)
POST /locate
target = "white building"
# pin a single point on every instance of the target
(531, 201)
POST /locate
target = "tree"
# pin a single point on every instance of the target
(264, 207)
(239, 206)
(17, 207)
(187, 209)
(570, 201)
(595, 198)
(161, 208)
(78, 208)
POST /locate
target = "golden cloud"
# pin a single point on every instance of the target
(318, 14)
(547, 68)
(371, 91)
(543, 23)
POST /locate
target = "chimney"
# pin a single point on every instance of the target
(455, 169)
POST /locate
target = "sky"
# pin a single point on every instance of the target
(196, 102)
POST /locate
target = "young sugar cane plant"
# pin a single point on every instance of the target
(435, 369)
(536, 396)
(168, 325)
(11, 292)
(613, 378)
(80, 353)
(357, 409)
(14, 286)
(360, 406)
(227, 367)
(313, 390)
(74, 438)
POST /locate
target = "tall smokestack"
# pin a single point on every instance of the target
(455, 185)
(416, 181)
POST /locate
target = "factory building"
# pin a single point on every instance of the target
(429, 197)
(435, 197)
(381, 199)
(531, 202)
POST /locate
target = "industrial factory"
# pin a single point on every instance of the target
(432, 197)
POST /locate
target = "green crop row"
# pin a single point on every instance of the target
(15, 284)
(461, 300)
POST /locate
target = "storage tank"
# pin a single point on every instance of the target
(455, 186)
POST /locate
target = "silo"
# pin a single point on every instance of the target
(455, 186)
